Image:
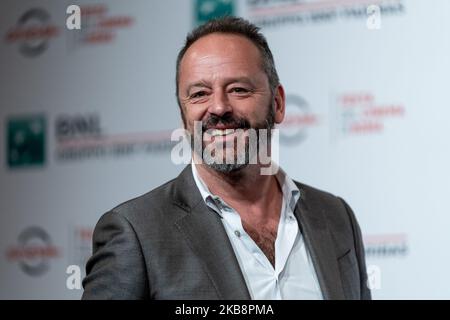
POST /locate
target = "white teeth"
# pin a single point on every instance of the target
(218, 132)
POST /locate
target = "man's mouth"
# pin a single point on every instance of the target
(222, 132)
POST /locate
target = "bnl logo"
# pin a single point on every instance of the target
(26, 141)
(209, 9)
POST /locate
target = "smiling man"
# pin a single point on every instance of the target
(221, 229)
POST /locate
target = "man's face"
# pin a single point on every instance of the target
(222, 84)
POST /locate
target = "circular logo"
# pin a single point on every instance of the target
(293, 130)
(34, 251)
(32, 32)
(33, 19)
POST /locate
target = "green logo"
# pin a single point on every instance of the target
(209, 9)
(26, 141)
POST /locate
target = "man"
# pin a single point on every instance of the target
(222, 229)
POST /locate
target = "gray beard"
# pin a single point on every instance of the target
(242, 159)
(227, 168)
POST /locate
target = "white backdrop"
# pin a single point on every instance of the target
(86, 117)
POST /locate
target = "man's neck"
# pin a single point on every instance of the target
(245, 187)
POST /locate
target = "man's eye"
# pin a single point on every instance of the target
(198, 94)
(239, 90)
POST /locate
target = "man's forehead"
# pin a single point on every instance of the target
(220, 55)
(223, 46)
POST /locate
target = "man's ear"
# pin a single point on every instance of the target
(280, 104)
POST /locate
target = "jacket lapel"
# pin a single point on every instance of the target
(204, 231)
(319, 242)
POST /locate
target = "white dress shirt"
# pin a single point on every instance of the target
(294, 276)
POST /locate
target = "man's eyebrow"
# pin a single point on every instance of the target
(239, 79)
(204, 84)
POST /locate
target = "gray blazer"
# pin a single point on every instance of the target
(167, 244)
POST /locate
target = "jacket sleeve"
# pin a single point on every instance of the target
(360, 254)
(116, 269)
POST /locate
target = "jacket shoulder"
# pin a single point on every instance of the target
(151, 202)
(337, 213)
(317, 197)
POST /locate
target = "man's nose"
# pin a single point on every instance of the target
(220, 104)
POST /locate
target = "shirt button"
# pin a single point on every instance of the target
(237, 233)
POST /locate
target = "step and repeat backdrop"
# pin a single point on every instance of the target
(86, 116)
